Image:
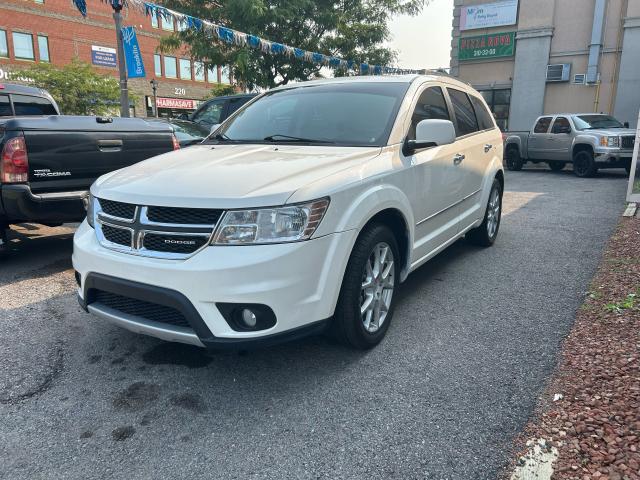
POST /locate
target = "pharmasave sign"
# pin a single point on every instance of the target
(495, 45)
(497, 14)
(177, 103)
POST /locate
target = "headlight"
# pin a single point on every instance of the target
(271, 225)
(612, 142)
(89, 204)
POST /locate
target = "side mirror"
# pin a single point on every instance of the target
(214, 127)
(431, 133)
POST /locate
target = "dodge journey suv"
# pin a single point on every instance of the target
(303, 212)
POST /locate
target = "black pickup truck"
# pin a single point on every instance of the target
(48, 163)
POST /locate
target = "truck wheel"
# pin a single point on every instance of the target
(556, 166)
(485, 235)
(514, 161)
(584, 165)
(367, 297)
(4, 242)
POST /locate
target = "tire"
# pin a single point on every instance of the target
(485, 235)
(628, 169)
(4, 242)
(351, 327)
(514, 161)
(584, 165)
(556, 166)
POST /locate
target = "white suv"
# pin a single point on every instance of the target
(303, 212)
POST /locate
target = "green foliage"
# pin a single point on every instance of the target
(350, 29)
(76, 87)
(220, 90)
(626, 304)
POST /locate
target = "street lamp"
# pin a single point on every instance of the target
(117, 6)
(154, 87)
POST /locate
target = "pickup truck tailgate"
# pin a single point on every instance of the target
(69, 153)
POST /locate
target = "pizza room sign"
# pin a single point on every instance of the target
(495, 45)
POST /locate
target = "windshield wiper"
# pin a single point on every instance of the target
(289, 138)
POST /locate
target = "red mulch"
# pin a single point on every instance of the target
(596, 423)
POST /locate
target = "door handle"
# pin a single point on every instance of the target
(487, 147)
(110, 145)
(458, 158)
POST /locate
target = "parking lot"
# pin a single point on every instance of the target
(472, 342)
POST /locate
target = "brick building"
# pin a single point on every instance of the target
(54, 31)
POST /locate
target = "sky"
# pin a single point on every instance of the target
(424, 41)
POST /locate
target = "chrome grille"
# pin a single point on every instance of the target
(628, 141)
(162, 232)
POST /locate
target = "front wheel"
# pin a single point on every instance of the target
(584, 165)
(367, 297)
(485, 235)
(514, 161)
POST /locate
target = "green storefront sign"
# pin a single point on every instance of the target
(495, 45)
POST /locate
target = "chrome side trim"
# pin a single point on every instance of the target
(135, 324)
(447, 208)
(62, 195)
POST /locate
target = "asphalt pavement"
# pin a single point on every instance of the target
(475, 334)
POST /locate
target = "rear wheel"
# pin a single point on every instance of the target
(514, 161)
(584, 165)
(485, 235)
(556, 166)
(367, 297)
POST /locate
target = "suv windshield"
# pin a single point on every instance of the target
(591, 122)
(348, 114)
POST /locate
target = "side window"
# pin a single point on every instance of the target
(5, 106)
(466, 121)
(485, 120)
(26, 105)
(543, 125)
(431, 105)
(210, 113)
(235, 104)
(561, 125)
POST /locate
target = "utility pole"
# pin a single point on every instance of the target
(154, 87)
(122, 67)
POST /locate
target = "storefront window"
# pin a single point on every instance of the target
(23, 46)
(4, 49)
(185, 68)
(198, 71)
(157, 65)
(212, 74)
(499, 102)
(166, 23)
(170, 67)
(43, 48)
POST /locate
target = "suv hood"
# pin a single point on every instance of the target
(228, 176)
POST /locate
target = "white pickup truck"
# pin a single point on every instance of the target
(588, 140)
(304, 210)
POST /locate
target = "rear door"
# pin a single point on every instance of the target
(561, 139)
(473, 140)
(538, 139)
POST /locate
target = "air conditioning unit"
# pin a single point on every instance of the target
(560, 72)
(580, 79)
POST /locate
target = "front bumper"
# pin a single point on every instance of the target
(613, 157)
(299, 281)
(19, 204)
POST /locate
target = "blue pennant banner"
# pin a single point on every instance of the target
(135, 66)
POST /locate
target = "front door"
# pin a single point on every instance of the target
(561, 139)
(538, 139)
(437, 177)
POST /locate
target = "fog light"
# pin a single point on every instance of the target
(249, 318)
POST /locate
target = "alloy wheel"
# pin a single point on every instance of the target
(377, 287)
(493, 213)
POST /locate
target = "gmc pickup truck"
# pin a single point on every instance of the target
(588, 140)
(48, 163)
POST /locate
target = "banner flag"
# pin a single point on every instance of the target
(135, 66)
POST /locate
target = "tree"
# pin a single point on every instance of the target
(76, 87)
(350, 29)
(220, 90)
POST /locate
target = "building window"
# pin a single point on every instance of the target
(212, 74)
(185, 69)
(198, 71)
(499, 102)
(41, 2)
(4, 48)
(224, 75)
(43, 48)
(182, 25)
(23, 46)
(170, 67)
(166, 23)
(154, 21)
(157, 65)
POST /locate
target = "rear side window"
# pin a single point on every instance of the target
(466, 121)
(5, 106)
(235, 104)
(543, 125)
(431, 105)
(26, 105)
(485, 120)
